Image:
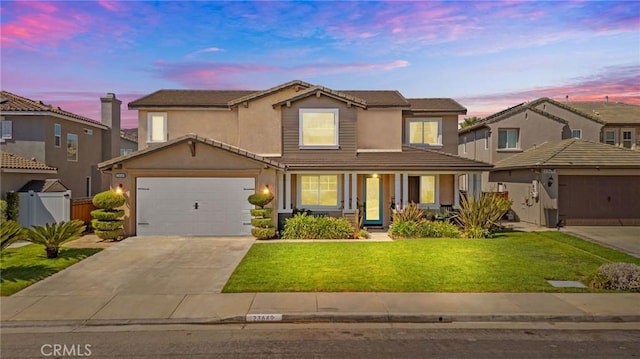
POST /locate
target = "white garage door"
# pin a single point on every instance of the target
(194, 206)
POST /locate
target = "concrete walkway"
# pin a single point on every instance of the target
(179, 280)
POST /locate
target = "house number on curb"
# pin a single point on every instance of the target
(264, 317)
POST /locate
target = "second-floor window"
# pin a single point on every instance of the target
(508, 138)
(486, 139)
(627, 139)
(610, 137)
(57, 135)
(576, 133)
(7, 130)
(424, 131)
(319, 128)
(156, 127)
(72, 147)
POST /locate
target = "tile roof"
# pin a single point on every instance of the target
(436, 105)
(572, 153)
(610, 112)
(379, 98)
(411, 158)
(48, 185)
(189, 98)
(191, 137)
(129, 134)
(341, 96)
(269, 91)
(10, 102)
(15, 162)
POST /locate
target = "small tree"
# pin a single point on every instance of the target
(11, 231)
(53, 235)
(262, 222)
(13, 204)
(107, 219)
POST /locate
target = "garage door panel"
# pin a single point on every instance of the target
(194, 206)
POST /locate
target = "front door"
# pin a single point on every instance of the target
(373, 201)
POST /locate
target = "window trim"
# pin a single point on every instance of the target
(423, 119)
(150, 115)
(299, 204)
(517, 148)
(579, 131)
(57, 136)
(77, 147)
(336, 117)
(3, 135)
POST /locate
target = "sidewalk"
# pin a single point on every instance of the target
(319, 307)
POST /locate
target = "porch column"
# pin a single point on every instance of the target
(346, 203)
(354, 191)
(456, 191)
(287, 192)
(405, 189)
(397, 200)
(280, 192)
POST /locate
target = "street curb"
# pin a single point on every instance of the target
(336, 318)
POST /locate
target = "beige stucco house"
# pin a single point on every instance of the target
(202, 152)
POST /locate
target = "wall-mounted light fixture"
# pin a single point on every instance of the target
(120, 189)
(266, 189)
(550, 182)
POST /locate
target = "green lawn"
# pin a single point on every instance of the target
(510, 262)
(23, 266)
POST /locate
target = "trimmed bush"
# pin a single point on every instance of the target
(108, 200)
(617, 276)
(261, 212)
(114, 234)
(423, 229)
(260, 199)
(263, 233)
(13, 205)
(261, 222)
(107, 225)
(302, 226)
(107, 215)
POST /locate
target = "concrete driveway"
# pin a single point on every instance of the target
(150, 265)
(623, 238)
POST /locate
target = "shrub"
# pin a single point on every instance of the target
(261, 212)
(51, 236)
(3, 210)
(261, 222)
(423, 229)
(263, 233)
(13, 205)
(260, 199)
(11, 231)
(481, 217)
(107, 220)
(108, 200)
(411, 212)
(363, 234)
(302, 226)
(403, 229)
(617, 276)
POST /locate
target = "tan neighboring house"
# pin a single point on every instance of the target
(203, 152)
(622, 122)
(506, 135)
(64, 145)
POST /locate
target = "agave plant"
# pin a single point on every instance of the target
(52, 236)
(11, 231)
(479, 217)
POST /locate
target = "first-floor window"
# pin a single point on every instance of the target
(508, 138)
(72, 147)
(610, 137)
(422, 189)
(319, 190)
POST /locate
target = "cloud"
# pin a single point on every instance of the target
(204, 51)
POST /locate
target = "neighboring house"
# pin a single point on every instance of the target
(14, 169)
(622, 121)
(528, 126)
(573, 182)
(128, 141)
(203, 152)
(60, 140)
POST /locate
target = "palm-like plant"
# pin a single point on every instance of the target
(53, 235)
(479, 217)
(11, 231)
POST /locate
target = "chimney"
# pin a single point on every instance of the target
(566, 98)
(606, 98)
(111, 118)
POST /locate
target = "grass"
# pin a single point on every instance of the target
(510, 262)
(26, 265)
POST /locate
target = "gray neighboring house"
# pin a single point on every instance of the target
(64, 145)
(128, 141)
(528, 126)
(622, 121)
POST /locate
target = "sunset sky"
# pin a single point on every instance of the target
(486, 55)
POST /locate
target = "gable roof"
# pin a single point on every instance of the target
(436, 105)
(191, 137)
(14, 104)
(411, 158)
(188, 98)
(267, 92)
(614, 113)
(572, 153)
(320, 90)
(17, 163)
(48, 185)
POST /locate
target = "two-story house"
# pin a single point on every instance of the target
(40, 141)
(622, 121)
(541, 142)
(203, 152)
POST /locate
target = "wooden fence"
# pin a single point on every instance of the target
(81, 209)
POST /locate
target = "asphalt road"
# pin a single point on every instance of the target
(319, 341)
